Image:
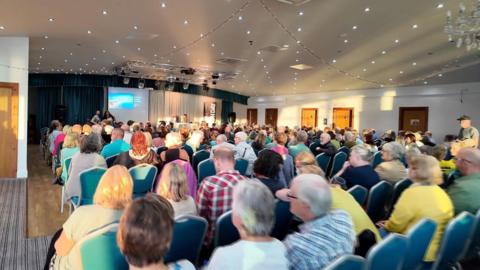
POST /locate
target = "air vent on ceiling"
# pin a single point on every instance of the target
(294, 2)
(273, 49)
(230, 61)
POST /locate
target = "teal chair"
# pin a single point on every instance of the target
(419, 237)
(188, 234)
(337, 164)
(323, 160)
(347, 262)
(313, 147)
(68, 161)
(474, 247)
(205, 168)
(398, 189)
(454, 242)
(225, 231)
(198, 157)
(387, 254)
(89, 180)
(377, 159)
(345, 150)
(143, 176)
(378, 198)
(283, 218)
(241, 165)
(110, 160)
(99, 250)
(359, 193)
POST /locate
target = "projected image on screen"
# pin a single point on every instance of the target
(121, 101)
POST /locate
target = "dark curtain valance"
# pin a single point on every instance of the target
(227, 108)
(99, 81)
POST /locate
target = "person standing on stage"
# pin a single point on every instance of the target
(467, 131)
(96, 118)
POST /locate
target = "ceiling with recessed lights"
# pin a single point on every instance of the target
(271, 47)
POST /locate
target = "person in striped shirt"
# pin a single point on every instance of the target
(325, 234)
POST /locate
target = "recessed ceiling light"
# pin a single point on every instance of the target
(185, 22)
(117, 41)
(259, 52)
(354, 27)
(51, 19)
(396, 40)
(139, 49)
(104, 51)
(113, 63)
(65, 60)
(94, 58)
(45, 37)
(123, 56)
(425, 82)
(384, 52)
(222, 53)
(440, 5)
(135, 27)
(213, 44)
(104, 12)
(43, 49)
(381, 85)
(414, 63)
(89, 32)
(2, 27)
(440, 75)
(401, 72)
(364, 69)
(40, 57)
(298, 52)
(71, 53)
(334, 61)
(240, 18)
(345, 41)
(300, 13)
(390, 79)
(415, 26)
(261, 60)
(248, 32)
(174, 46)
(299, 29)
(164, 5)
(38, 63)
(373, 62)
(296, 60)
(367, 9)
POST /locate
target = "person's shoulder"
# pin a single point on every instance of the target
(181, 265)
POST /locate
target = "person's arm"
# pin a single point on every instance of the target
(63, 245)
(402, 214)
(346, 164)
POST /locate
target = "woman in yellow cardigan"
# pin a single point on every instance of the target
(423, 199)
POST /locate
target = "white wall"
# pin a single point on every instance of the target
(241, 111)
(14, 53)
(379, 108)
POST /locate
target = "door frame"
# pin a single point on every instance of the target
(316, 116)
(248, 115)
(276, 120)
(351, 109)
(14, 113)
(401, 110)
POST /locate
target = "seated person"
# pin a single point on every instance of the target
(423, 199)
(116, 145)
(145, 234)
(139, 154)
(244, 150)
(325, 234)
(221, 141)
(440, 152)
(70, 148)
(304, 161)
(266, 169)
(465, 190)
(392, 169)
(253, 216)
(298, 145)
(279, 145)
(326, 146)
(173, 186)
(358, 170)
(113, 194)
(173, 142)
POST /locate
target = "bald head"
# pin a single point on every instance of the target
(224, 159)
(221, 139)
(468, 161)
(325, 138)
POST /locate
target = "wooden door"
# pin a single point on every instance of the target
(342, 117)
(252, 116)
(413, 119)
(309, 117)
(8, 129)
(271, 116)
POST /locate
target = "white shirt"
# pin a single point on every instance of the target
(246, 255)
(127, 136)
(245, 151)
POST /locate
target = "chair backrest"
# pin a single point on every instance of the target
(419, 237)
(99, 250)
(398, 189)
(89, 180)
(188, 234)
(378, 198)
(347, 262)
(189, 150)
(241, 165)
(323, 160)
(344, 149)
(198, 157)
(377, 159)
(454, 241)
(387, 254)
(474, 247)
(143, 176)
(283, 218)
(68, 161)
(359, 193)
(338, 161)
(313, 147)
(110, 160)
(205, 168)
(225, 231)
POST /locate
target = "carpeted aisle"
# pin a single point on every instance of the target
(16, 251)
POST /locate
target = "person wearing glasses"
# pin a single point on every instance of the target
(326, 234)
(464, 191)
(392, 169)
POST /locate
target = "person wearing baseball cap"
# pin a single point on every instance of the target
(467, 131)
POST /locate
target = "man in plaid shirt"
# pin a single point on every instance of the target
(214, 196)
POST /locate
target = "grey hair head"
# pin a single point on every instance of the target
(396, 150)
(363, 151)
(315, 191)
(254, 204)
(302, 136)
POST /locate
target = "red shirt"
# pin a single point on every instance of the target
(214, 198)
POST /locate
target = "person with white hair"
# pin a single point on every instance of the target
(301, 140)
(195, 140)
(174, 142)
(97, 129)
(358, 170)
(325, 234)
(253, 216)
(244, 150)
(221, 141)
(392, 168)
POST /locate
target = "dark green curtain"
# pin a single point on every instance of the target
(227, 108)
(47, 98)
(82, 102)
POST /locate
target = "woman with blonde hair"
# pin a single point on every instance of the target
(305, 162)
(86, 129)
(423, 199)
(173, 142)
(70, 148)
(174, 187)
(113, 194)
